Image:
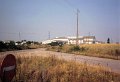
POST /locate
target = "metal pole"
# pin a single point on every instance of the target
(19, 36)
(77, 35)
(49, 35)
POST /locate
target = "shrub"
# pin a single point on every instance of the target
(75, 48)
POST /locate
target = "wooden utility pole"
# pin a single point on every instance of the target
(77, 34)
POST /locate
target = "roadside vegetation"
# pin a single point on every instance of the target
(51, 69)
(11, 45)
(111, 51)
(98, 50)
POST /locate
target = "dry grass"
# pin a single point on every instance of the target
(98, 50)
(51, 69)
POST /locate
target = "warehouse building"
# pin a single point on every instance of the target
(72, 40)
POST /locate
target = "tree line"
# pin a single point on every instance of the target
(19, 45)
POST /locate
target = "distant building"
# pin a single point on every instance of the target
(61, 39)
(72, 40)
(21, 42)
(99, 42)
(82, 40)
(89, 39)
(47, 41)
(18, 43)
(7, 41)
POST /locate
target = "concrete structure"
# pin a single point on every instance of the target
(72, 40)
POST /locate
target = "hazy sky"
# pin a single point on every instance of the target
(35, 18)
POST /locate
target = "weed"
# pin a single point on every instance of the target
(51, 69)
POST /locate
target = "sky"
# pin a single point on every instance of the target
(34, 19)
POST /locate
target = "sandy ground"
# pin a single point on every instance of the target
(113, 65)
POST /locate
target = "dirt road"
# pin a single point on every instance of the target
(114, 65)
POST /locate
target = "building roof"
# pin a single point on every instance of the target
(75, 39)
(60, 38)
(89, 37)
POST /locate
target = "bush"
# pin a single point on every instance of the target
(7, 46)
(75, 48)
(56, 44)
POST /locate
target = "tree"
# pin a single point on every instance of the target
(11, 45)
(56, 43)
(29, 42)
(2, 45)
(108, 40)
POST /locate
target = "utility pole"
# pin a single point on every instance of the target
(77, 34)
(89, 34)
(49, 35)
(19, 36)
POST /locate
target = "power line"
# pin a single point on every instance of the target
(77, 32)
(71, 5)
(18, 34)
(89, 34)
(14, 33)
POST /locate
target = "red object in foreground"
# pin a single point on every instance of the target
(8, 68)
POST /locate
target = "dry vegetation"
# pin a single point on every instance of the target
(98, 50)
(51, 69)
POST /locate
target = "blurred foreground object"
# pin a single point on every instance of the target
(7, 68)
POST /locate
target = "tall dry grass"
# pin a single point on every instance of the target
(98, 50)
(51, 69)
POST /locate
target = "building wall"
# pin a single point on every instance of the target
(72, 40)
(47, 41)
(89, 39)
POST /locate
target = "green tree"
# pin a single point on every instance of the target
(12, 45)
(108, 40)
(2, 45)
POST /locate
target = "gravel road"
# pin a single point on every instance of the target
(113, 65)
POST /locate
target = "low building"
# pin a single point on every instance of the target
(47, 41)
(21, 42)
(89, 39)
(72, 40)
(99, 42)
(61, 39)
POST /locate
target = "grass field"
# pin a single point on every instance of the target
(98, 50)
(51, 69)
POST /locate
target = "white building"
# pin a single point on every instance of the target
(47, 41)
(72, 40)
(89, 39)
(61, 39)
